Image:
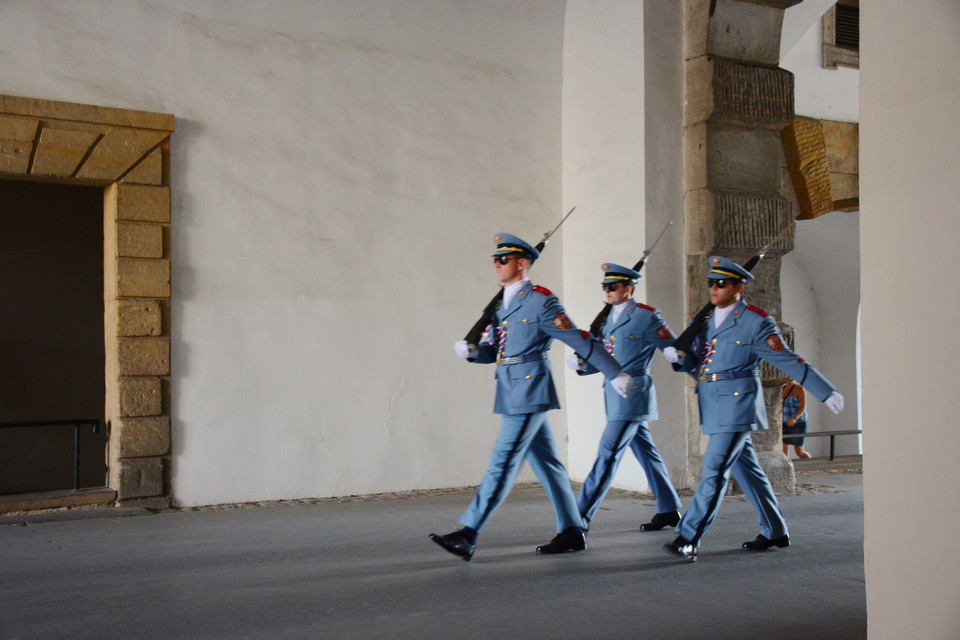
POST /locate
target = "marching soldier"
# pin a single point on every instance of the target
(725, 360)
(527, 321)
(632, 333)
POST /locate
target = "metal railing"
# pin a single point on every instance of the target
(76, 424)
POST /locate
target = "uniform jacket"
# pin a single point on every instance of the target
(747, 336)
(525, 330)
(632, 340)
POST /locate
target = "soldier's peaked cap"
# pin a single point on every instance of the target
(720, 269)
(617, 273)
(507, 244)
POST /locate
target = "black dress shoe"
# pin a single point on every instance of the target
(455, 543)
(661, 520)
(683, 548)
(568, 540)
(762, 543)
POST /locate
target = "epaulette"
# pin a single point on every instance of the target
(640, 305)
(757, 310)
(542, 290)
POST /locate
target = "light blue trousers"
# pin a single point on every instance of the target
(617, 436)
(523, 437)
(731, 453)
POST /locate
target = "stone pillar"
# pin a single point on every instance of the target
(737, 101)
(137, 303)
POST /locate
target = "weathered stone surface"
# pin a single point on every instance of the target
(752, 96)
(139, 278)
(696, 26)
(743, 159)
(143, 356)
(698, 215)
(746, 222)
(17, 128)
(16, 105)
(842, 144)
(804, 147)
(119, 150)
(144, 203)
(144, 437)
(745, 31)
(139, 318)
(695, 156)
(845, 188)
(60, 151)
(140, 397)
(141, 478)
(698, 91)
(139, 240)
(15, 156)
(149, 171)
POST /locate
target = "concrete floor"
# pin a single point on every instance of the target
(365, 569)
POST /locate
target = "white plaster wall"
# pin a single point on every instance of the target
(827, 257)
(339, 170)
(909, 195)
(827, 94)
(603, 174)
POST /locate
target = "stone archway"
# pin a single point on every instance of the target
(128, 154)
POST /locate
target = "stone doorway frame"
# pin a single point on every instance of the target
(127, 153)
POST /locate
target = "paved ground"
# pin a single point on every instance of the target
(365, 569)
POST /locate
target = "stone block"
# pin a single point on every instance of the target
(696, 26)
(141, 478)
(698, 91)
(140, 397)
(139, 318)
(805, 150)
(16, 105)
(144, 437)
(842, 143)
(140, 278)
(845, 189)
(743, 159)
(60, 151)
(746, 222)
(17, 128)
(15, 156)
(139, 240)
(752, 96)
(745, 31)
(149, 171)
(143, 356)
(698, 222)
(120, 149)
(143, 203)
(695, 156)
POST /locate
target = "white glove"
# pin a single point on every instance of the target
(622, 383)
(835, 402)
(671, 355)
(462, 350)
(575, 363)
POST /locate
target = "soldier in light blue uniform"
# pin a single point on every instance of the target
(528, 320)
(725, 360)
(631, 334)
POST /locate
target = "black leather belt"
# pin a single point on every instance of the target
(730, 374)
(530, 357)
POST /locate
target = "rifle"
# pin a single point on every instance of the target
(473, 336)
(683, 343)
(596, 327)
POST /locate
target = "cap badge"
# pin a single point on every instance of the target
(496, 238)
(716, 262)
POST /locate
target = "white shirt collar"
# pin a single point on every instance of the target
(618, 309)
(511, 290)
(720, 315)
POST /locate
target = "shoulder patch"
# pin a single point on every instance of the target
(643, 306)
(757, 310)
(542, 290)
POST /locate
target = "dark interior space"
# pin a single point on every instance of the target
(51, 334)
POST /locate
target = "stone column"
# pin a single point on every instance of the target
(737, 101)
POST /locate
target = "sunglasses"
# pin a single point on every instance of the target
(719, 284)
(611, 286)
(504, 259)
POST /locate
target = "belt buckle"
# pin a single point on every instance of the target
(703, 378)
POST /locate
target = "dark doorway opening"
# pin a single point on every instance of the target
(51, 335)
